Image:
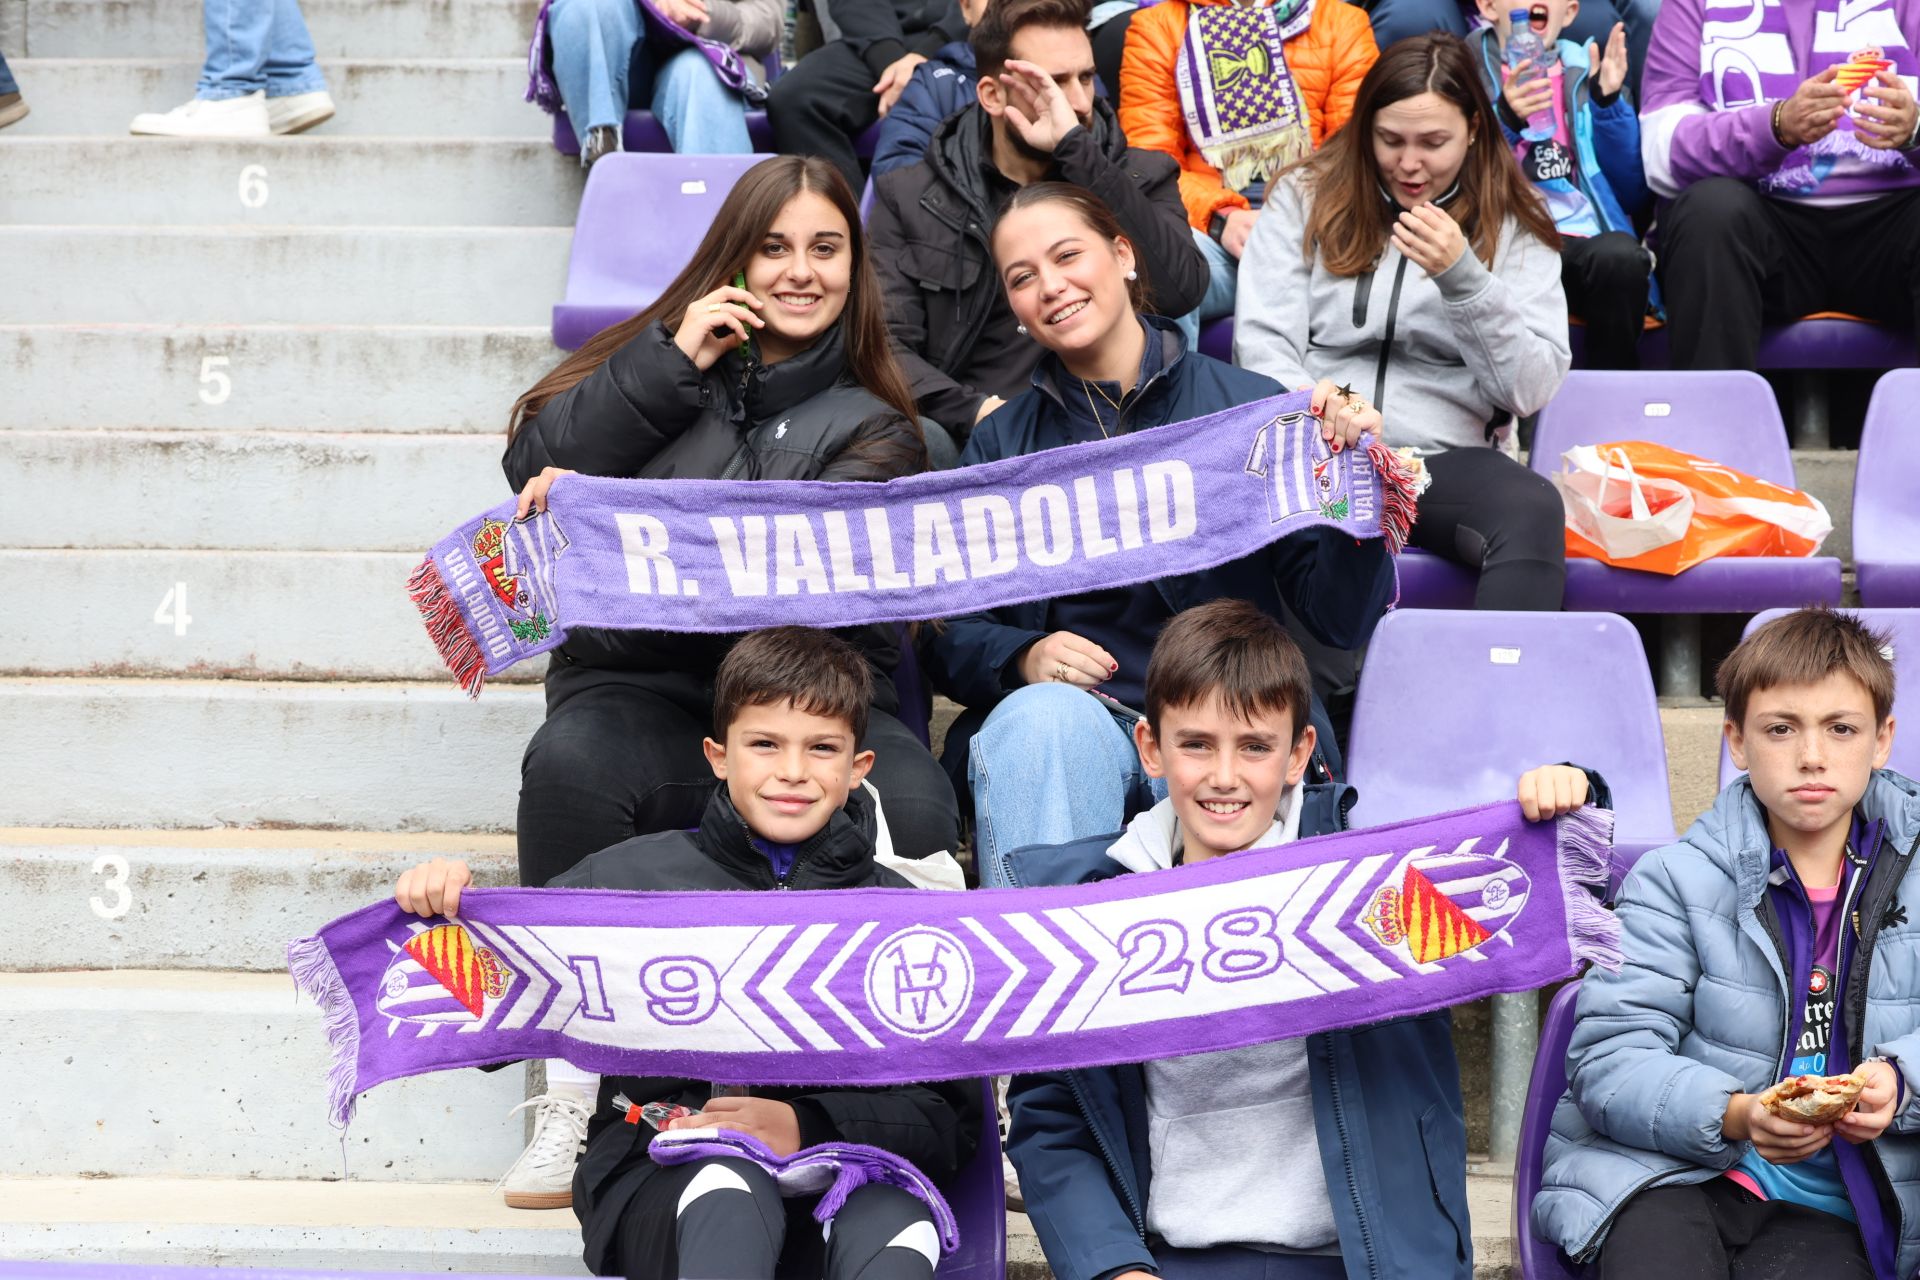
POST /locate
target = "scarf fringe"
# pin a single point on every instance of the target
(1402, 480)
(314, 973)
(1583, 839)
(542, 90)
(446, 628)
(1240, 163)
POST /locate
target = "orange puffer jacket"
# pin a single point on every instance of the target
(1327, 60)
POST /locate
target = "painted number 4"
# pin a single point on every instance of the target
(173, 610)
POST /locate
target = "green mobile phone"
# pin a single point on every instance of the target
(740, 282)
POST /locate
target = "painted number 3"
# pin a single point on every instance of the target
(119, 899)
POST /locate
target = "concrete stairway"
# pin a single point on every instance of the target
(263, 375)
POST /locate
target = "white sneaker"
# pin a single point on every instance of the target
(542, 1178)
(299, 112)
(1016, 1203)
(244, 117)
(601, 140)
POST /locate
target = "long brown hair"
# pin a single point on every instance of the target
(1350, 217)
(735, 236)
(1091, 210)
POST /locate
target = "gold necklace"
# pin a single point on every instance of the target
(1095, 412)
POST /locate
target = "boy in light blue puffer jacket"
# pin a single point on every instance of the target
(1779, 937)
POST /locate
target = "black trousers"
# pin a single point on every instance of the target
(1732, 259)
(621, 758)
(1489, 512)
(1605, 278)
(752, 1234)
(821, 104)
(1718, 1230)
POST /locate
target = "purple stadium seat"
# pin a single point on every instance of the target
(978, 1198)
(1216, 339)
(1904, 627)
(1432, 582)
(1538, 1259)
(640, 220)
(1454, 705)
(1825, 340)
(1729, 416)
(1886, 519)
(642, 132)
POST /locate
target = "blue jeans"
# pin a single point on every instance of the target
(1051, 764)
(1223, 288)
(7, 83)
(603, 66)
(254, 45)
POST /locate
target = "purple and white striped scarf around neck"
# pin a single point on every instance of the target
(735, 555)
(885, 986)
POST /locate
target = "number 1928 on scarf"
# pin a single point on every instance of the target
(882, 986)
(734, 555)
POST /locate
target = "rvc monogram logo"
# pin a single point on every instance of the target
(919, 980)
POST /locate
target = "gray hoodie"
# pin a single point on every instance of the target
(1450, 361)
(1231, 1134)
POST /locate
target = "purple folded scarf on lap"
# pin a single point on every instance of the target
(833, 1171)
(735, 555)
(889, 986)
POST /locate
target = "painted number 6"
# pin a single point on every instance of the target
(680, 989)
(253, 186)
(114, 865)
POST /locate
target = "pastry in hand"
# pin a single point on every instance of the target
(1814, 1099)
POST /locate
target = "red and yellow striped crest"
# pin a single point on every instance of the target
(1435, 927)
(449, 955)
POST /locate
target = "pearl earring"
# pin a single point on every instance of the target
(1133, 275)
(1020, 329)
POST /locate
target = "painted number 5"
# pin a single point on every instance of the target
(114, 867)
(216, 384)
(253, 186)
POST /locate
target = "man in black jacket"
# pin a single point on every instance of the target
(828, 97)
(1036, 120)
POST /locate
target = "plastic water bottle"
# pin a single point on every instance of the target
(1522, 45)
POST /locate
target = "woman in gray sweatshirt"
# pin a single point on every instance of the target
(1409, 259)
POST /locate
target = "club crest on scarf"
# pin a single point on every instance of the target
(919, 981)
(1448, 904)
(440, 975)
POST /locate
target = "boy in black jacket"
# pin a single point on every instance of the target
(790, 708)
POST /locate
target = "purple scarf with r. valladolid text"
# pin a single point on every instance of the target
(544, 92)
(735, 555)
(884, 986)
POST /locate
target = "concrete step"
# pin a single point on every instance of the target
(221, 1075)
(1828, 474)
(150, 489)
(409, 1227)
(339, 28)
(253, 614)
(316, 180)
(290, 377)
(103, 899)
(191, 753)
(336, 1227)
(484, 276)
(386, 95)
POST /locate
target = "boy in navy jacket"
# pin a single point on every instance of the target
(1339, 1155)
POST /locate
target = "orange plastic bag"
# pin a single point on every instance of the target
(1626, 502)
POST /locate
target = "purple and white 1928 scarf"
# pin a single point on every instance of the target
(735, 555)
(543, 91)
(884, 986)
(1746, 59)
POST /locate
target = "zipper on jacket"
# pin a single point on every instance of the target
(1346, 1160)
(1362, 290)
(1386, 343)
(1134, 1211)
